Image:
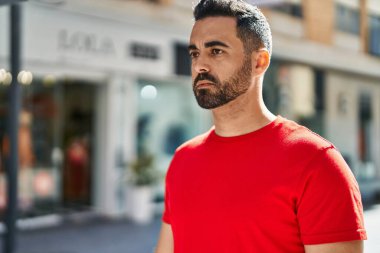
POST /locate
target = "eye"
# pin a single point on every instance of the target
(193, 54)
(216, 51)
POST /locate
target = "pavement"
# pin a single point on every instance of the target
(104, 235)
(95, 235)
(372, 225)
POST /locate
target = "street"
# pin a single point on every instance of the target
(121, 236)
(94, 236)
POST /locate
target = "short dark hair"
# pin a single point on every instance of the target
(252, 26)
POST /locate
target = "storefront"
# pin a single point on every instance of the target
(55, 149)
(105, 87)
(100, 88)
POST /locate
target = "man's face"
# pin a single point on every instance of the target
(221, 71)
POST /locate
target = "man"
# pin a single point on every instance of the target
(254, 183)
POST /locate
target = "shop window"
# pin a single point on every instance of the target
(55, 151)
(347, 19)
(167, 116)
(374, 35)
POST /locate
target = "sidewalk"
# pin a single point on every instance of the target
(98, 235)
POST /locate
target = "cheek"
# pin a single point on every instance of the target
(193, 70)
(226, 73)
(194, 74)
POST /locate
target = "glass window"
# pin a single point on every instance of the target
(37, 187)
(347, 19)
(55, 152)
(374, 35)
(168, 115)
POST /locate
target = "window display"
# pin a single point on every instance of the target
(55, 153)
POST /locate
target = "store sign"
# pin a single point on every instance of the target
(139, 50)
(82, 40)
(88, 43)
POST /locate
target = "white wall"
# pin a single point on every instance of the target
(374, 6)
(115, 143)
(342, 113)
(342, 126)
(60, 37)
(4, 37)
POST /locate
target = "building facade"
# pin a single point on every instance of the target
(104, 85)
(326, 76)
(111, 78)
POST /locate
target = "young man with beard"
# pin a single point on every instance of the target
(255, 182)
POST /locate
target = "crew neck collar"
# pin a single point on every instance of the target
(215, 137)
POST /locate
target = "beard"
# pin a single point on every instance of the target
(223, 92)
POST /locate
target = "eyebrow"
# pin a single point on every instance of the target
(209, 44)
(215, 43)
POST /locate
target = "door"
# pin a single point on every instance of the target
(78, 119)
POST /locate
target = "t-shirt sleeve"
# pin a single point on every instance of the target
(329, 208)
(166, 213)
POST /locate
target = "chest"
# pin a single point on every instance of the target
(240, 184)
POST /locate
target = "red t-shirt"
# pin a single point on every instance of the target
(273, 190)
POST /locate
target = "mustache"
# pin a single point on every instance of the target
(205, 76)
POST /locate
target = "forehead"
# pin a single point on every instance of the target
(214, 28)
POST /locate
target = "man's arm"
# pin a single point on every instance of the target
(339, 247)
(165, 242)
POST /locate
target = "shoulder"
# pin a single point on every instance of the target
(194, 143)
(188, 152)
(191, 146)
(312, 153)
(300, 139)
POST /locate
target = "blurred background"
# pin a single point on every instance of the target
(107, 97)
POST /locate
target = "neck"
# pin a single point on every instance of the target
(245, 114)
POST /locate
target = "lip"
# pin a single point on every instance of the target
(203, 84)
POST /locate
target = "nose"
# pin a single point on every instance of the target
(200, 64)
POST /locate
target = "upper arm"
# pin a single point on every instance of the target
(165, 242)
(339, 247)
(329, 208)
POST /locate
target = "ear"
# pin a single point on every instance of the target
(260, 61)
